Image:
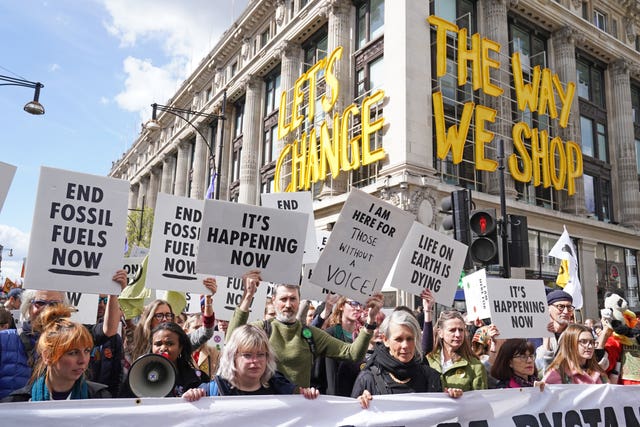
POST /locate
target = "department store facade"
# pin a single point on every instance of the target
(367, 89)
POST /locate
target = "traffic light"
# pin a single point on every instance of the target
(457, 206)
(484, 237)
(518, 233)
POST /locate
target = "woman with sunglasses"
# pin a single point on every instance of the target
(574, 363)
(343, 322)
(64, 348)
(514, 366)
(248, 367)
(138, 340)
(452, 356)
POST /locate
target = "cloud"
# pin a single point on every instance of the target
(104, 100)
(54, 67)
(12, 238)
(185, 31)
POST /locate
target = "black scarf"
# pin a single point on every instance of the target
(385, 361)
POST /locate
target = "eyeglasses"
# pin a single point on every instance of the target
(163, 316)
(524, 357)
(102, 300)
(587, 343)
(253, 356)
(354, 304)
(563, 307)
(39, 303)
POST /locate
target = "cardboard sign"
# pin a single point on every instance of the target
(429, 260)
(363, 245)
(229, 295)
(174, 244)
(309, 290)
(7, 172)
(238, 237)
(301, 202)
(87, 306)
(476, 295)
(518, 307)
(133, 267)
(79, 223)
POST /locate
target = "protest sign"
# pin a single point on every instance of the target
(229, 296)
(86, 306)
(78, 228)
(300, 201)
(237, 238)
(363, 245)
(7, 172)
(133, 267)
(518, 307)
(429, 260)
(138, 251)
(309, 290)
(174, 244)
(216, 341)
(476, 295)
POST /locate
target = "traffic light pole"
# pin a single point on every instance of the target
(503, 213)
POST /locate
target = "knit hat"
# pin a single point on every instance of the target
(558, 295)
(482, 336)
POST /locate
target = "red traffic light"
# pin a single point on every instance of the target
(482, 222)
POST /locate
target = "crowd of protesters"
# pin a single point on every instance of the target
(341, 347)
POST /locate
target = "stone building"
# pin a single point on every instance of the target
(291, 46)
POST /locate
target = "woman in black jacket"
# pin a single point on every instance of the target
(397, 365)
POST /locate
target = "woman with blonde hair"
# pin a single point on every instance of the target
(64, 350)
(248, 367)
(574, 362)
(452, 356)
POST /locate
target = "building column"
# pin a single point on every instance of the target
(182, 169)
(200, 164)
(588, 271)
(142, 192)
(223, 154)
(497, 29)
(168, 166)
(133, 195)
(290, 70)
(564, 50)
(154, 186)
(623, 149)
(249, 169)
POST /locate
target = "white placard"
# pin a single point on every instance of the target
(518, 307)
(363, 245)
(139, 251)
(78, 228)
(476, 295)
(309, 290)
(216, 341)
(229, 295)
(300, 201)
(7, 173)
(174, 244)
(133, 267)
(87, 306)
(238, 237)
(429, 260)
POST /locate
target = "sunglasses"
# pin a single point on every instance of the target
(162, 316)
(39, 303)
(354, 304)
(102, 300)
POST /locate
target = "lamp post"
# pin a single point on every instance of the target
(32, 107)
(182, 113)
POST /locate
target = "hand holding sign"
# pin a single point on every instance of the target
(374, 304)
(250, 280)
(211, 284)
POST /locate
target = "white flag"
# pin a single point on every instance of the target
(564, 249)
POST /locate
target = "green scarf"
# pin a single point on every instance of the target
(40, 392)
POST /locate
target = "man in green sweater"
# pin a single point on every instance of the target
(294, 351)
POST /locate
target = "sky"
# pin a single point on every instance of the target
(102, 63)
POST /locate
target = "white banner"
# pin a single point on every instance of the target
(557, 405)
(78, 232)
(238, 237)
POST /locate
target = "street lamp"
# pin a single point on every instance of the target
(154, 124)
(33, 107)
